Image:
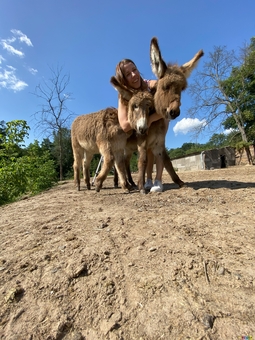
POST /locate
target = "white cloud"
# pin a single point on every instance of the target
(228, 131)
(11, 68)
(188, 125)
(11, 49)
(9, 80)
(32, 70)
(22, 37)
(8, 74)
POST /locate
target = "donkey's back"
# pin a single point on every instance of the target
(97, 132)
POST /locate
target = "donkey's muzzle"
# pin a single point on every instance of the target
(142, 130)
(172, 114)
(141, 126)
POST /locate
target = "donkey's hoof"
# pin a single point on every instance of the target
(182, 185)
(97, 188)
(143, 191)
(134, 187)
(130, 188)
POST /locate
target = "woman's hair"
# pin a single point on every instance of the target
(119, 74)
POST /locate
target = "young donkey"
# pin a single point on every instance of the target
(172, 80)
(98, 132)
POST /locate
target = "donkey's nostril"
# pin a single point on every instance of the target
(174, 113)
(141, 130)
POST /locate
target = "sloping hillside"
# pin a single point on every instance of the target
(111, 265)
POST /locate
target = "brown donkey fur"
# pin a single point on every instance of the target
(100, 132)
(146, 138)
(172, 80)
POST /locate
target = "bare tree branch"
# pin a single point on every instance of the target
(219, 92)
(54, 114)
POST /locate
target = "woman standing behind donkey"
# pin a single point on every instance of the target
(129, 76)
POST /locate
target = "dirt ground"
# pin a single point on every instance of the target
(112, 265)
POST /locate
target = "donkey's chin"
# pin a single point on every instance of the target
(142, 131)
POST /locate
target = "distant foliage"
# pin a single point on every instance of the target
(133, 162)
(22, 171)
(224, 94)
(217, 141)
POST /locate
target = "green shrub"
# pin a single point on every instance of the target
(27, 174)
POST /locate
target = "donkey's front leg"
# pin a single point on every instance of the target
(170, 169)
(142, 162)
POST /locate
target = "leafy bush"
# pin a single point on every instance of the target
(27, 174)
(21, 174)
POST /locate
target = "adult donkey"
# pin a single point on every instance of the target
(172, 80)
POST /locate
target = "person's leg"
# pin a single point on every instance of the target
(158, 186)
(159, 168)
(149, 168)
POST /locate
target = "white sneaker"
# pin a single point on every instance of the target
(148, 185)
(157, 186)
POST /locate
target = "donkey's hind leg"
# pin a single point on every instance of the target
(78, 156)
(86, 167)
(128, 173)
(120, 166)
(108, 161)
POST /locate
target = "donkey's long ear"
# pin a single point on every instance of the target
(124, 92)
(157, 63)
(188, 67)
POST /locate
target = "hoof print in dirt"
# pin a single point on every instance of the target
(208, 321)
(75, 271)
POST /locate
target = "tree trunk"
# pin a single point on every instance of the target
(60, 156)
(244, 137)
(248, 153)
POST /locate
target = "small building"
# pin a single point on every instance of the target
(206, 160)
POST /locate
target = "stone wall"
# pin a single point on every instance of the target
(209, 159)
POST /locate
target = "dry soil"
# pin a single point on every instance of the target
(111, 265)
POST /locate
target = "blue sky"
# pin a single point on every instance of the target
(88, 39)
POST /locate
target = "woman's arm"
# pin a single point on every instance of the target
(122, 116)
(153, 118)
(152, 83)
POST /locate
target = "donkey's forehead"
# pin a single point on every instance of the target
(175, 76)
(141, 97)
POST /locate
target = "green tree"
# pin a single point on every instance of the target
(134, 162)
(2, 131)
(220, 90)
(241, 87)
(218, 140)
(22, 170)
(66, 153)
(12, 138)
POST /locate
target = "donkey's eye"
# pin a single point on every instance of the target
(166, 87)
